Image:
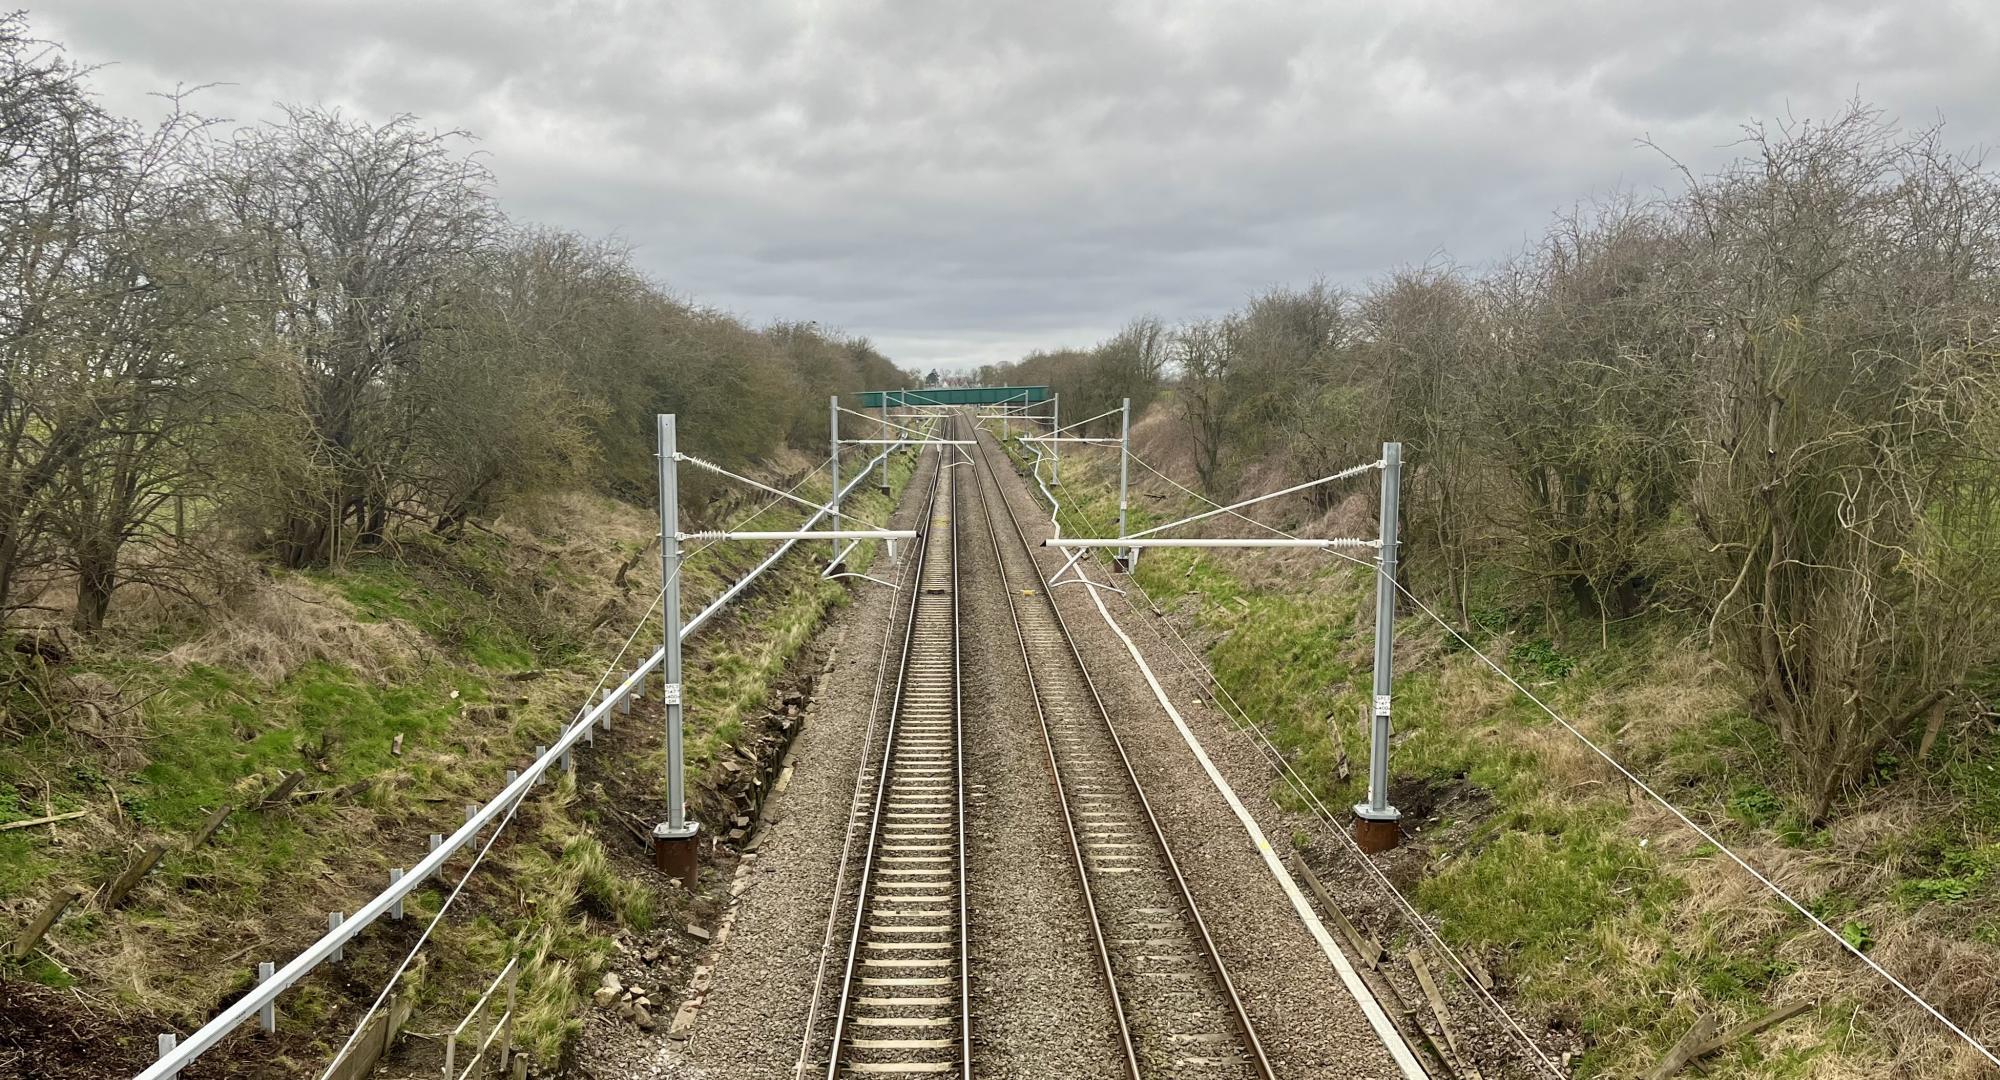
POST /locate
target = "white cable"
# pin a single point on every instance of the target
(1298, 785)
(1364, 998)
(1676, 811)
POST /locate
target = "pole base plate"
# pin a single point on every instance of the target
(678, 855)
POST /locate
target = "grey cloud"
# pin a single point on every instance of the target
(962, 181)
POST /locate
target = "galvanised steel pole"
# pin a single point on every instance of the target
(674, 840)
(1375, 826)
(882, 415)
(833, 440)
(1055, 449)
(1126, 555)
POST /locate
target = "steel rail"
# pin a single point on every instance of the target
(865, 881)
(910, 576)
(1259, 1061)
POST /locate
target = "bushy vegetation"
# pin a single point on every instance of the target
(316, 337)
(317, 478)
(1765, 401)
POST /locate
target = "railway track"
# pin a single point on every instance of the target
(1179, 1015)
(904, 1007)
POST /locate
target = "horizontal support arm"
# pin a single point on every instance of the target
(1068, 438)
(805, 534)
(906, 442)
(1212, 542)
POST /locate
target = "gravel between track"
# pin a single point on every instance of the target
(1040, 1008)
(1310, 1024)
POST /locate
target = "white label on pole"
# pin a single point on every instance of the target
(673, 693)
(1381, 704)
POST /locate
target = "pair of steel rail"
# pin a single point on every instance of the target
(1177, 1011)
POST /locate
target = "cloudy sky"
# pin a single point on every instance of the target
(963, 182)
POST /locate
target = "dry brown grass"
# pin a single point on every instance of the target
(273, 631)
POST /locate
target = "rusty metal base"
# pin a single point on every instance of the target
(883, 488)
(1375, 837)
(678, 857)
(1119, 564)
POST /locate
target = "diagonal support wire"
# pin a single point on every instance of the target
(1233, 507)
(802, 501)
(921, 435)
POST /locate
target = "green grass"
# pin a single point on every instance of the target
(463, 596)
(212, 730)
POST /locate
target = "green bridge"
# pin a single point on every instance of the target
(956, 395)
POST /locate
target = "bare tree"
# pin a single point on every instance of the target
(1844, 484)
(1204, 353)
(355, 233)
(59, 162)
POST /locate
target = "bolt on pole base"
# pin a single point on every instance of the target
(1375, 831)
(678, 855)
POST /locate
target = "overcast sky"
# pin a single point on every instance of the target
(965, 181)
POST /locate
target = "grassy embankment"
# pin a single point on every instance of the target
(474, 653)
(1595, 908)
